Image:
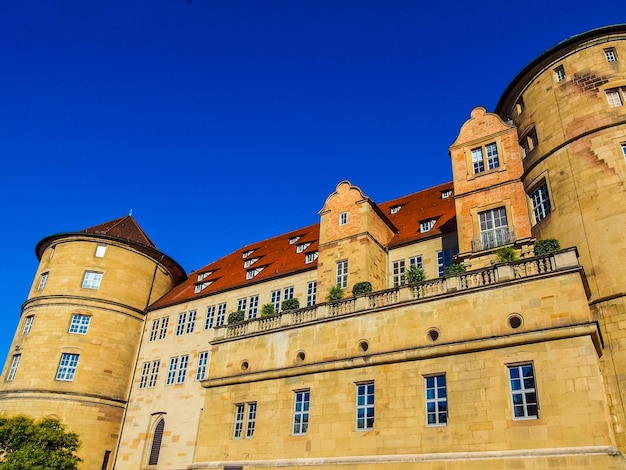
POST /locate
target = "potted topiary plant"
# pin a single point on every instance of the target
(415, 274)
(506, 254)
(454, 269)
(290, 304)
(267, 310)
(549, 245)
(362, 288)
(237, 316)
(335, 293)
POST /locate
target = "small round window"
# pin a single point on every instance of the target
(433, 334)
(363, 346)
(515, 321)
(244, 365)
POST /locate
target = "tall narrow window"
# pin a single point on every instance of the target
(154, 331)
(79, 324)
(202, 362)
(241, 304)
(163, 331)
(342, 274)
(436, 400)
(239, 411)
(15, 361)
(523, 392)
(485, 158)
(493, 160)
(251, 420)
(559, 73)
(91, 280)
(301, 412)
(253, 307)
(444, 259)
(365, 406)
(478, 163)
(541, 202)
(28, 323)
(210, 317)
(171, 372)
(145, 373)
(494, 228)
(288, 293)
(155, 449)
(42, 281)
(399, 272)
(67, 367)
(221, 315)
(624, 150)
(182, 369)
(343, 218)
(311, 293)
(154, 373)
(180, 328)
(191, 322)
(275, 300)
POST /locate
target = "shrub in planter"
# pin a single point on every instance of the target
(454, 269)
(267, 310)
(506, 254)
(549, 245)
(362, 288)
(290, 304)
(236, 316)
(415, 274)
(335, 293)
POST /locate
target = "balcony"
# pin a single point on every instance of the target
(493, 238)
(529, 268)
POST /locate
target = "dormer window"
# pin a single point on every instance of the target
(310, 257)
(427, 225)
(202, 276)
(395, 209)
(293, 240)
(249, 262)
(446, 194)
(343, 218)
(302, 246)
(245, 254)
(201, 286)
(250, 273)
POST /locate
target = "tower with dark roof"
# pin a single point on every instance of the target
(74, 352)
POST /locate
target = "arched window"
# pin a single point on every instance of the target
(156, 443)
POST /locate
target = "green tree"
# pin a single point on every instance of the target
(42, 445)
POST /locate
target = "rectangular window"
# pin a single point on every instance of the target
(365, 406)
(399, 272)
(530, 141)
(302, 246)
(180, 328)
(251, 420)
(191, 322)
(342, 274)
(559, 73)
(415, 261)
(92, 280)
(145, 373)
(288, 293)
(446, 194)
(616, 96)
(241, 304)
(301, 412)
(202, 362)
(100, 251)
(210, 317)
(494, 228)
(478, 158)
(624, 150)
(67, 367)
(310, 257)
(171, 372)
(427, 225)
(239, 410)
(523, 392)
(42, 281)
(395, 209)
(154, 373)
(253, 307)
(79, 324)
(610, 54)
(343, 218)
(444, 259)
(436, 400)
(492, 156)
(519, 106)
(154, 331)
(478, 162)
(311, 293)
(28, 323)
(221, 314)
(182, 369)
(275, 300)
(13, 369)
(541, 202)
(163, 331)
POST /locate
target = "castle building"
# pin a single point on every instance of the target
(350, 343)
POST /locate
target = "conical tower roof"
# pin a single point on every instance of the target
(125, 227)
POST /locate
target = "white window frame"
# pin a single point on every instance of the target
(540, 201)
(395, 209)
(293, 240)
(494, 228)
(182, 369)
(275, 300)
(310, 257)
(67, 367)
(311, 293)
(43, 278)
(427, 225)
(191, 322)
(616, 97)
(251, 424)
(343, 218)
(180, 326)
(302, 401)
(28, 324)
(163, 330)
(435, 389)
(15, 362)
(92, 280)
(559, 73)
(446, 193)
(253, 307)
(523, 385)
(241, 304)
(416, 261)
(239, 420)
(250, 421)
(288, 293)
(365, 394)
(79, 324)
(145, 373)
(210, 317)
(342, 273)
(399, 273)
(221, 314)
(444, 259)
(154, 373)
(100, 250)
(610, 54)
(202, 365)
(485, 158)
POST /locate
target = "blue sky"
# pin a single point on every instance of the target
(220, 123)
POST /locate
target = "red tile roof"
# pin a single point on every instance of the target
(125, 227)
(277, 257)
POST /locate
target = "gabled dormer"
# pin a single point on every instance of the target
(353, 235)
(490, 201)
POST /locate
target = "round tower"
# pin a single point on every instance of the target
(569, 106)
(75, 348)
